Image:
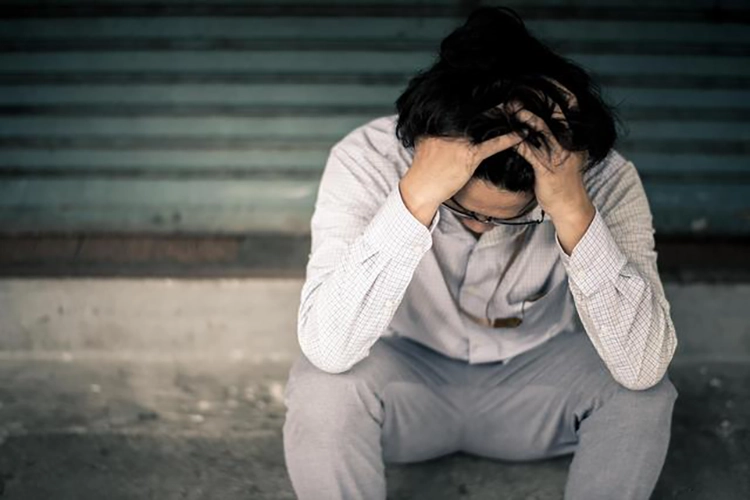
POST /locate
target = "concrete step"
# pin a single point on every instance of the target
(91, 429)
(255, 318)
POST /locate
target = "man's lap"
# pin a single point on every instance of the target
(429, 405)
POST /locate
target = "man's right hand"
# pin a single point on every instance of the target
(442, 166)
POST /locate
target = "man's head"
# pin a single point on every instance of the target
(487, 62)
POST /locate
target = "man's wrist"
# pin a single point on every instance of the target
(572, 225)
(582, 211)
(421, 207)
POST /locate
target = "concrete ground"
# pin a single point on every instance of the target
(171, 389)
(91, 429)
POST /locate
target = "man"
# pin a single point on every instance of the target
(482, 279)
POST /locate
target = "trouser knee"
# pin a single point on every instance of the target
(328, 405)
(652, 405)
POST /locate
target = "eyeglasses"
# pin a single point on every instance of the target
(525, 217)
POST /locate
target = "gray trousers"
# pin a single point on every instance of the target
(408, 403)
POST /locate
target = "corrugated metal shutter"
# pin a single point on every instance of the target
(215, 118)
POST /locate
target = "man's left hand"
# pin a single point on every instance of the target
(559, 186)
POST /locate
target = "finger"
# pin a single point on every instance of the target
(555, 153)
(569, 96)
(559, 115)
(524, 150)
(493, 146)
(513, 106)
(532, 156)
(534, 121)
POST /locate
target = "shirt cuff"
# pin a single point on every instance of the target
(395, 231)
(595, 260)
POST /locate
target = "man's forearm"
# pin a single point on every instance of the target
(621, 304)
(572, 226)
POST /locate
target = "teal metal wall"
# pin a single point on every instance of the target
(209, 118)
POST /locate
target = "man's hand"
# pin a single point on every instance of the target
(442, 166)
(559, 187)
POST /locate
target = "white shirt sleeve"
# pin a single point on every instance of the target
(615, 283)
(366, 246)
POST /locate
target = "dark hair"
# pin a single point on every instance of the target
(490, 60)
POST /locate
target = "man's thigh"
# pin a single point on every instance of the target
(407, 389)
(531, 407)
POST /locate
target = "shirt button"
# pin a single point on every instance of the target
(416, 249)
(389, 304)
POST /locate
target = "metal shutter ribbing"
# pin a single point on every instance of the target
(215, 118)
